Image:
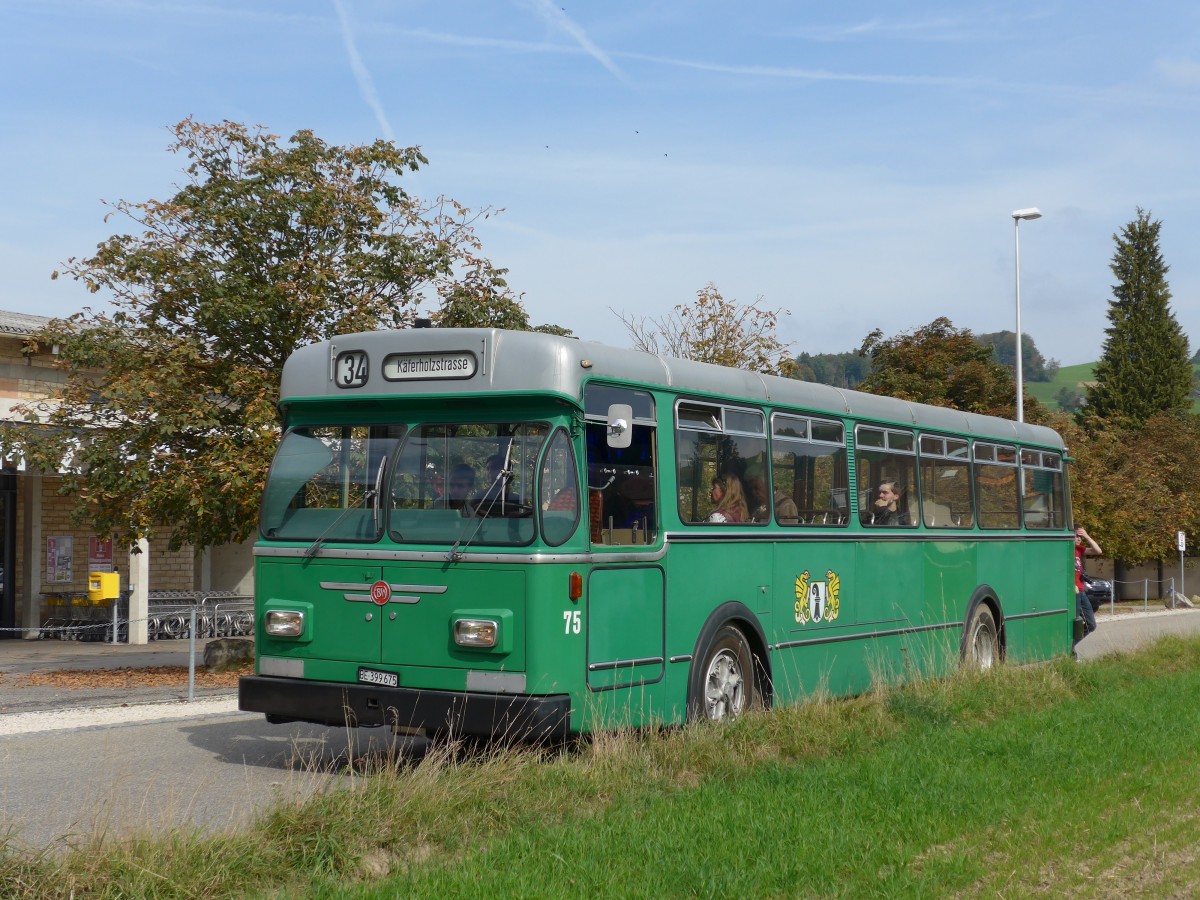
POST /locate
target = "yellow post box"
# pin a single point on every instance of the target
(103, 587)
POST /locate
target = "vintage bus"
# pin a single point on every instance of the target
(517, 534)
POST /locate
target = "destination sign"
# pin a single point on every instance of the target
(417, 366)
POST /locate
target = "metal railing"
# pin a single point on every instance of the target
(169, 616)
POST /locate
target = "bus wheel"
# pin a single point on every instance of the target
(981, 649)
(726, 683)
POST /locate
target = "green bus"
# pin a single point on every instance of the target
(514, 534)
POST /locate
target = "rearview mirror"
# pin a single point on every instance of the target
(620, 427)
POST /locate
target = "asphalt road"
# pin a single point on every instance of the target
(212, 772)
(1126, 632)
(213, 768)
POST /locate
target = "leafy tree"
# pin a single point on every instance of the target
(715, 330)
(1136, 485)
(168, 413)
(1144, 368)
(944, 366)
(1034, 366)
(1069, 399)
(482, 300)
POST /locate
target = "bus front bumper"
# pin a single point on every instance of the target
(508, 716)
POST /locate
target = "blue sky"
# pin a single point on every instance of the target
(854, 163)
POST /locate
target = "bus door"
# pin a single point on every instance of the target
(626, 601)
(626, 615)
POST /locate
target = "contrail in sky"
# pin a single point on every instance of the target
(365, 85)
(555, 15)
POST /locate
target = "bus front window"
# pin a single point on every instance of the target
(325, 479)
(467, 482)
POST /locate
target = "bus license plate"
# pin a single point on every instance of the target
(374, 676)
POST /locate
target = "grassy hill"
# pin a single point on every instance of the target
(1075, 377)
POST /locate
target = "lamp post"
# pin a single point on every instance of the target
(1018, 215)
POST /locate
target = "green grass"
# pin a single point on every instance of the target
(1073, 377)
(1061, 779)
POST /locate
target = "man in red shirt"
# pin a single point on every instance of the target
(1084, 546)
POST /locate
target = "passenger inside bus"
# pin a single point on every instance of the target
(786, 511)
(886, 510)
(729, 497)
(462, 482)
(495, 495)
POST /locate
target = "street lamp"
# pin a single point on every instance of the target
(1018, 215)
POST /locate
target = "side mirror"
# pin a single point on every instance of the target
(620, 429)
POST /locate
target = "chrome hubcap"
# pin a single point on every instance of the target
(725, 688)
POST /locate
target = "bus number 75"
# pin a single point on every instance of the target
(571, 620)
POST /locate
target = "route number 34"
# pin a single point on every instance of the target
(571, 621)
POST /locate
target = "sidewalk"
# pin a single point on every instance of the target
(112, 674)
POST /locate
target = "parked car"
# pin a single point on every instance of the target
(1099, 591)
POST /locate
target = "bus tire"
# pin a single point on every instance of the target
(725, 684)
(981, 643)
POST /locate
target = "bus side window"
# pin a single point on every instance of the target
(886, 467)
(722, 464)
(946, 500)
(809, 471)
(622, 487)
(622, 482)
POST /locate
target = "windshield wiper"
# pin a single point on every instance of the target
(368, 495)
(495, 491)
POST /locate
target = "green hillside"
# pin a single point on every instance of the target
(1076, 378)
(1072, 377)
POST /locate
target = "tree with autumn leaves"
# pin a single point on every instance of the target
(942, 365)
(717, 330)
(167, 416)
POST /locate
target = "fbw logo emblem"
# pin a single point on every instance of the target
(818, 601)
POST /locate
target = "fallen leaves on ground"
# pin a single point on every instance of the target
(127, 677)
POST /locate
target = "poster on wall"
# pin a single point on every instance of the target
(60, 554)
(100, 554)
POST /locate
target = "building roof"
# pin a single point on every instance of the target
(21, 324)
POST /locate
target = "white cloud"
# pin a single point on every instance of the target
(1180, 72)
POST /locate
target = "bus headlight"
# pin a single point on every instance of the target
(476, 632)
(284, 623)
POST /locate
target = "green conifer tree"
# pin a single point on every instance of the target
(1144, 367)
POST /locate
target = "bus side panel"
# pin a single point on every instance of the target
(1049, 589)
(891, 577)
(1002, 568)
(816, 603)
(701, 577)
(951, 578)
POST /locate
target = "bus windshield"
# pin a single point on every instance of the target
(324, 483)
(471, 483)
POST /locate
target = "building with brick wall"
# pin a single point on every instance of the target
(45, 559)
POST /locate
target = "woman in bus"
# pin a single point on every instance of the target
(730, 500)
